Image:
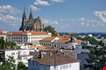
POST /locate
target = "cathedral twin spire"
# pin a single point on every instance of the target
(31, 24)
(30, 15)
(23, 19)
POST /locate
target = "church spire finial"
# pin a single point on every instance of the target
(23, 19)
(30, 15)
(24, 14)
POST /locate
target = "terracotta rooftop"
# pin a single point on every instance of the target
(55, 58)
(39, 47)
(62, 39)
(39, 33)
(16, 33)
(78, 41)
(48, 39)
(2, 33)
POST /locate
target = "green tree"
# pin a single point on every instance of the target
(92, 40)
(97, 58)
(78, 37)
(101, 43)
(50, 29)
(8, 64)
(21, 66)
(4, 44)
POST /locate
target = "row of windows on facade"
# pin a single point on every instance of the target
(58, 67)
(17, 37)
(17, 40)
(50, 44)
(21, 37)
(19, 56)
(61, 67)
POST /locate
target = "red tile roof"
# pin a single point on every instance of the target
(62, 39)
(25, 33)
(39, 33)
(56, 58)
(2, 33)
(40, 47)
(16, 33)
(78, 41)
(48, 39)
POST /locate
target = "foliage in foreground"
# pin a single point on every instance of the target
(97, 58)
(4, 44)
(10, 65)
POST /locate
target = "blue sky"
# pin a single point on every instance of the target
(64, 15)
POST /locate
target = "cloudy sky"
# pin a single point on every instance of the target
(64, 15)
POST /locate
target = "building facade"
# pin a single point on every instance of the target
(26, 37)
(68, 66)
(56, 41)
(3, 34)
(18, 55)
(53, 60)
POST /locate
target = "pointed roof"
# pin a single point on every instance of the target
(38, 18)
(30, 15)
(23, 18)
(24, 14)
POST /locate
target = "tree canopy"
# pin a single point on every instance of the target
(9, 64)
(97, 58)
(4, 44)
(21, 66)
(50, 29)
(91, 40)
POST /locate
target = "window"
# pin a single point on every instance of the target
(64, 66)
(13, 53)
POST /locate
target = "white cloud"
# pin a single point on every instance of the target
(9, 18)
(7, 14)
(82, 19)
(49, 21)
(38, 4)
(58, 1)
(0, 18)
(82, 23)
(101, 15)
(41, 3)
(34, 8)
(7, 9)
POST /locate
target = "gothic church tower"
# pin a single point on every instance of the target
(30, 23)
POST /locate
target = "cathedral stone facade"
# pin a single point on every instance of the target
(30, 23)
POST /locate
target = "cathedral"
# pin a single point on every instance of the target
(30, 23)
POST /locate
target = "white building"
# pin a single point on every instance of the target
(18, 55)
(26, 37)
(53, 61)
(104, 41)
